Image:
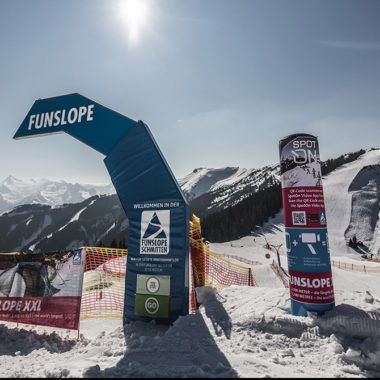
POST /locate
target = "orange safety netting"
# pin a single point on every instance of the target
(212, 270)
(103, 282)
(105, 270)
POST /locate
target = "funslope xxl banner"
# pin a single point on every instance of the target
(310, 278)
(42, 289)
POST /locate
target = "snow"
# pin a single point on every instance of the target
(228, 179)
(241, 332)
(47, 222)
(15, 192)
(203, 180)
(266, 277)
(238, 332)
(77, 215)
(338, 201)
(106, 232)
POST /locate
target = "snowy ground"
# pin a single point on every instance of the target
(241, 332)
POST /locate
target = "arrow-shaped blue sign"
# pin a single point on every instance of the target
(88, 121)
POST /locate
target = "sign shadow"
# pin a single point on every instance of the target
(187, 348)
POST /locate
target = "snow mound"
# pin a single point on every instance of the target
(240, 332)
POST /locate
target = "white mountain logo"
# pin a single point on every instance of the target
(155, 232)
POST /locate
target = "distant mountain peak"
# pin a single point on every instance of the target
(14, 192)
(11, 180)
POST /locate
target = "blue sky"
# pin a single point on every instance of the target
(218, 82)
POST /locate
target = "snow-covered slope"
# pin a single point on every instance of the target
(43, 228)
(209, 190)
(14, 192)
(352, 199)
(203, 180)
(217, 187)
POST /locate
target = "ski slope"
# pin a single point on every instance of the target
(338, 201)
(239, 332)
(338, 191)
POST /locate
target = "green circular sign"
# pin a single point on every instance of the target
(152, 285)
(151, 305)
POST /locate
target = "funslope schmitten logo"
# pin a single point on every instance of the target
(155, 232)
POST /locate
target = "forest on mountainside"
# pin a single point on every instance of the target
(250, 214)
(243, 218)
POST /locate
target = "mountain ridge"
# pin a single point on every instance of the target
(100, 219)
(15, 192)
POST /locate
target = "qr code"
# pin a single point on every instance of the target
(299, 218)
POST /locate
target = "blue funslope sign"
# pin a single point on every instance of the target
(158, 241)
(88, 121)
(157, 279)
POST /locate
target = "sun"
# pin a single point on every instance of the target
(134, 14)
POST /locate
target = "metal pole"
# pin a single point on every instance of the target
(277, 248)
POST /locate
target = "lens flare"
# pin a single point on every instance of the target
(134, 14)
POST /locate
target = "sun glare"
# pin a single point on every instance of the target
(134, 14)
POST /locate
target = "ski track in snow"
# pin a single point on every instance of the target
(73, 219)
(77, 215)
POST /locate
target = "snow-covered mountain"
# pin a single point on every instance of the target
(220, 187)
(352, 196)
(211, 189)
(56, 215)
(15, 192)
(44, 228)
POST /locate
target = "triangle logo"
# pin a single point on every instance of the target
(155, 232)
